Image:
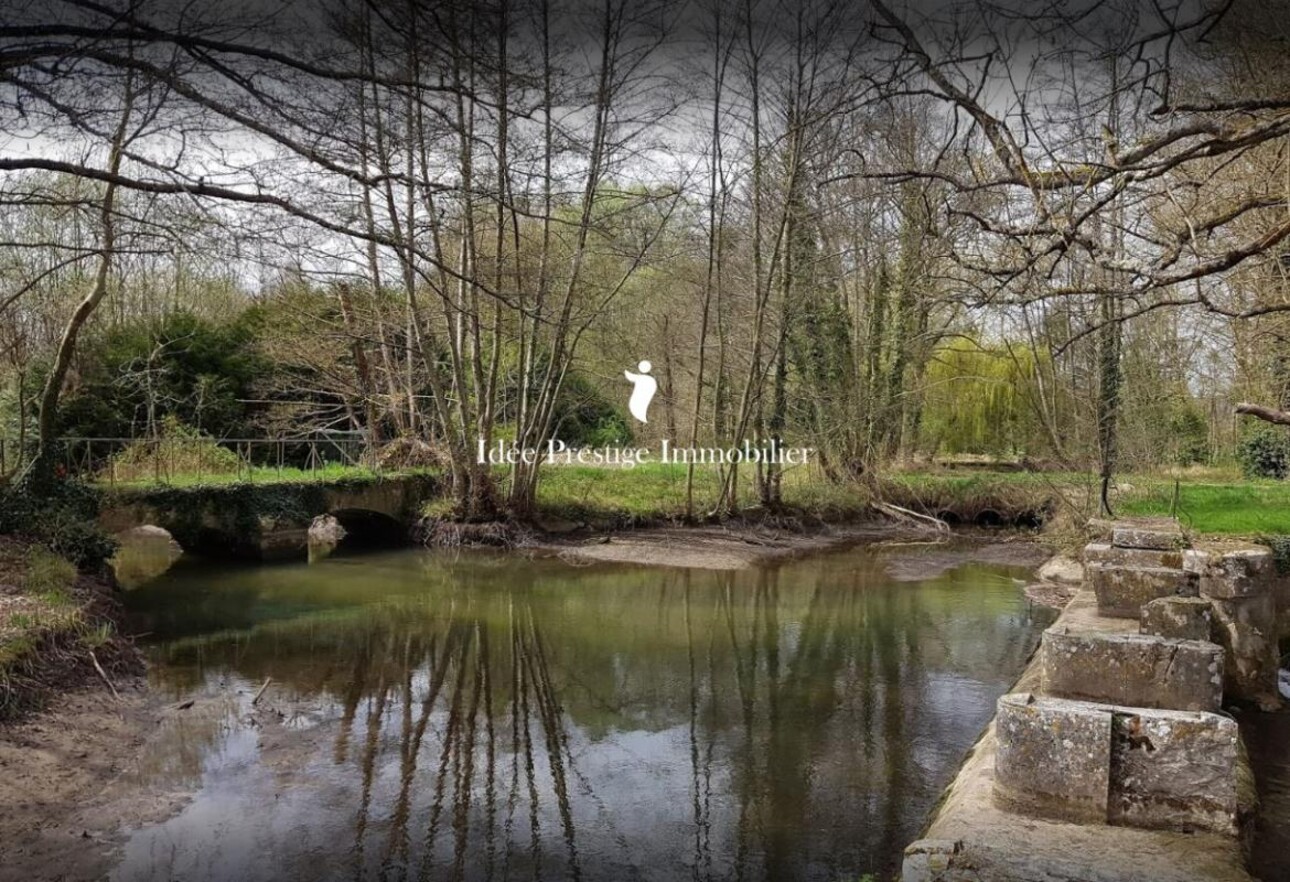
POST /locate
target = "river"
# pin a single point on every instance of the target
(475, 715)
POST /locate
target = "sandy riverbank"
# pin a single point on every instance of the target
(739, 547)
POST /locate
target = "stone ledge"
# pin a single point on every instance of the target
(1000, 846)
(1105, 554)
(1228, 575)
(1053, 759)
(1136, 670)
(1156, 534)
(1174, 772)
(1098, 763)
(1122, 592)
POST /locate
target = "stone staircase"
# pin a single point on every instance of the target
(1118, 725)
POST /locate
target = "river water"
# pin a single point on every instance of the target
(488, 716)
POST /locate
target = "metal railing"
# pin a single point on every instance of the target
(195, 460)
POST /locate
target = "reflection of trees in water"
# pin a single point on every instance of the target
(829, 706)
(458, 726)
(805, 699)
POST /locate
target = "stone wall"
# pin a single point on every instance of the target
(1119, 726)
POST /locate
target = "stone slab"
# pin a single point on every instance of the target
(1122, 592)
(1063, 570)
(1232, 574)
(1174, 771)
(1106, 554)
(1137, 670)
(1074, 853)
(1053, 758)
(1157, 534)
(1246, 628)
(1180, 618)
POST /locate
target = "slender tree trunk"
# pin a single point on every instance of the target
(1108, 398)
(41, 468)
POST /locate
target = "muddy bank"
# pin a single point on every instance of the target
(59, 629)
(78, 777)
(937, 557)
(706, 548)
(63, 794)
(923, 554)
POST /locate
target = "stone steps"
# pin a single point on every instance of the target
(1118, 729)
(1132, 767)
(1135, 670)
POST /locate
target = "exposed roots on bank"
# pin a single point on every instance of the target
(442, 533)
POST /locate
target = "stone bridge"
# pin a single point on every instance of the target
(271, 520)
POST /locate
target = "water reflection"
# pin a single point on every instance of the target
(484, 717)
(143, 554)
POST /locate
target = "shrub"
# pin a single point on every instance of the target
(1188, 428)
(1280, 546)
(198, 370)
(1264, 452)
(179, 450)
(62, 517)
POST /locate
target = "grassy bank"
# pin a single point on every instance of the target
(1206, 501)
(48, 624)
(657, 492)
(249, 475)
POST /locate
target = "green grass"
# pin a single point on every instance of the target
(49, 577)
(1240, 509)
(256, 475)
(657, 491)
(1209, 501)
(49, 610)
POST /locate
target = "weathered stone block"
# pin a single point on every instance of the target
(1246, 629)
(1180, 618)
(1063, 570)
(1122, 592)
(1053, 758)
(1173, 771)
(1231, 574)
(1105, 554)
(1097, 763)
(1160, 534)
(1136, 670)
(1282, 592)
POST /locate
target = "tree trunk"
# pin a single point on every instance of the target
(41, 467)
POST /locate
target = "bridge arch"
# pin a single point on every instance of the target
(272, 519)
(369, 528)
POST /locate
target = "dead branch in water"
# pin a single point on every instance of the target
(260, 692)
(905, 514)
